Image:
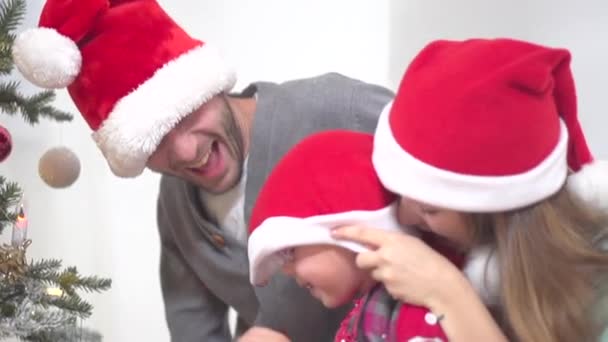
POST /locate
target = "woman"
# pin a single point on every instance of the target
(483, 144)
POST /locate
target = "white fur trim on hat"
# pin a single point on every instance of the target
(47, 58)
(140, 120)
(591, 184)
(408, 176)
(279, 233)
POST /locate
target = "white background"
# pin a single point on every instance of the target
(106, 226)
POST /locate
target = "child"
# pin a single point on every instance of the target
(327, 181)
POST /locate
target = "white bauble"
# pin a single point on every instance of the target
(59, 167)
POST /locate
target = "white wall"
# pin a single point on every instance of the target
(115, 233)
(578, 26)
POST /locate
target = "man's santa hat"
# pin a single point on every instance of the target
(486, 126)
(132, 72)
(325, 181)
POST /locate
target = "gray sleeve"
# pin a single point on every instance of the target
(192, 312)
(367, 102)
(290, 309)
(330, 101)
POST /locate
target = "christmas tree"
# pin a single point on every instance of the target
(39, 300)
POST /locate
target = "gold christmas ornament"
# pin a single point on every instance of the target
(12, 261)
(59, 167)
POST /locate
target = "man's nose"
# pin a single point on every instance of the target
(182, 148)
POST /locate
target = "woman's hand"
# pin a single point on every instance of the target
(411, 270)
(261, 334)
(415, 273)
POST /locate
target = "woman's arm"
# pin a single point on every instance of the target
(415, 273)
(464, 317)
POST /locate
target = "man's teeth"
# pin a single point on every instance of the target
(203, 160)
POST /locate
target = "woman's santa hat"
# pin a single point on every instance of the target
(325, 181)
(486, 126)
(132, 72)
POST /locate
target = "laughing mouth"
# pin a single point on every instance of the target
(202, 162)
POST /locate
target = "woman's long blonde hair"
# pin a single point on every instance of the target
(551, 268)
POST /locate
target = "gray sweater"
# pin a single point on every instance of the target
(204, 270)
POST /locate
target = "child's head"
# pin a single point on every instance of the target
(325, 181)
(483, 144)
(329, 272)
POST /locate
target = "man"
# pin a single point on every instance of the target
(157, 98)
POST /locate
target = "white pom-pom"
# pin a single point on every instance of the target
(47, 58)
(591, 184)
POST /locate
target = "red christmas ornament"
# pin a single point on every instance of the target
(6, 143)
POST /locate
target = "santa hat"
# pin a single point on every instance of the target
(484, 126)
(132, 72)
(325, 181)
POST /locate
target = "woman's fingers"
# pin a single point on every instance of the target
(368, 260)
(371, 237)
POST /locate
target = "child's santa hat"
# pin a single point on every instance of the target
(325, 181)
(132, 72)
(486, 126)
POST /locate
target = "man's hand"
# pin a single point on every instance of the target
(261, 334)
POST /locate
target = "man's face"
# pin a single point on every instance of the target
(205, 148)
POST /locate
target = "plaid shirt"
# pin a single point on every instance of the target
(377, 317)
(372, 318)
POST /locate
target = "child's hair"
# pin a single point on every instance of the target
(551, 266)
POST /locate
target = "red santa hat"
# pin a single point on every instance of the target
(325, 181)
(132, 72)
(484, 126)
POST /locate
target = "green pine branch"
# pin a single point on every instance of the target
(44, 270)
(12, 13)
(33, 107)
(6, 52)
(74, 304)
(70, 281)
(69, 334)
(9, 292)
(10, 194)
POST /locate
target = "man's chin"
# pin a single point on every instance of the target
(219, 187)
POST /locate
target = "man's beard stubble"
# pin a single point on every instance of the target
(234, 140)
